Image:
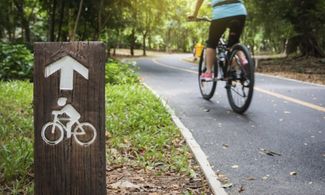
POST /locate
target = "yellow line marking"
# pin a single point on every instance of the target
(290, 99)
(303, 103)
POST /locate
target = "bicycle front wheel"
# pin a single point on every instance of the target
(207, 88)
(241, 72)
(84, 134)
(52, 133)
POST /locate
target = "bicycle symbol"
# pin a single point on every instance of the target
(83, 133)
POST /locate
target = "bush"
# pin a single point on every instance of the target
(118, 73)
(16, 62)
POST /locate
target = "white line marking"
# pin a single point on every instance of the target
(173, 67)
(200, 157)
(293, 100)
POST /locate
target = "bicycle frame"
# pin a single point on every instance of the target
(58, 120)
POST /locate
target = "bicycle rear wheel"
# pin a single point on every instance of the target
(240, 86)
(207, 88)
(84, 134)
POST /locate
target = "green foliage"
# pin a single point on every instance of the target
(120, 73)
(16, 62)
(292, 18)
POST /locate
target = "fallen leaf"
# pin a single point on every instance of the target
(266, 177)
(126, 141)
(251, 178)
(124, 184)
(269, 152)
(223, 179)
(241, 189)
(227, 185)
(235, 166)
(225, 146)
(175, 186)
(293, 173)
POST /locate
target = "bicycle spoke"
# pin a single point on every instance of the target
(244, 94)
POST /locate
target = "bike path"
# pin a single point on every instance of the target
(234, 144)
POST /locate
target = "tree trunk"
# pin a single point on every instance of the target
(52, 24)
(77, 21)
(24, 21)
(149, 42)
(144, 43)
(99, 21)
(309, 46)
(132, 42)
(11, 28)
(61, 20)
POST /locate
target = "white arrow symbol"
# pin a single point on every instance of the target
(67, 65)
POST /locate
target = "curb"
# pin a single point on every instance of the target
(199, 155)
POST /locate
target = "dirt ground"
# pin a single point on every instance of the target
(139, 181)
(302, 68)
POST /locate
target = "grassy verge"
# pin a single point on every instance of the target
(139, 131)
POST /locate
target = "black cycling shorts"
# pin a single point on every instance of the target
(218, 27)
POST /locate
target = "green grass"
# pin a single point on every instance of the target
(16, 137)
(139, 130)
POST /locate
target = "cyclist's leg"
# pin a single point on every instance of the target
(236, 26)
(217, 28)
(69, 126)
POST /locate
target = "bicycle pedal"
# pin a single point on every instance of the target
(227, 86)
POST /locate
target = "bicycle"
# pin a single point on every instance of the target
(83, 133)
(239, 78)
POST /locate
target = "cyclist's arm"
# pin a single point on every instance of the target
(63, 110)
(197, 8)
(56, 112)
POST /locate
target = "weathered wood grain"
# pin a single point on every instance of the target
(69, 168)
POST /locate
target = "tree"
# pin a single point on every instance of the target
(306, 18)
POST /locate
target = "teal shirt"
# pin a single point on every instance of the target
(227, 10)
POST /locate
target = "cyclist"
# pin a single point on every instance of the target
(68, 110)
(226, 14)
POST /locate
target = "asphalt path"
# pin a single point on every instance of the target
(286, 117)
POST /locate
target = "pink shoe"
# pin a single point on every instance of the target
(243, 61)
(207, 76)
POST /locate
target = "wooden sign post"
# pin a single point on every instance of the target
(69, 118)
